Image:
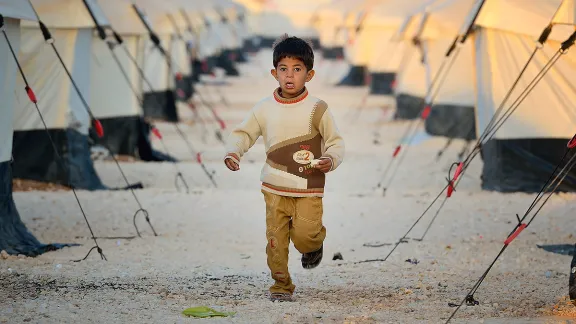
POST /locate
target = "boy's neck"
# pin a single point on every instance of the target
(281, 98)
(291, 97)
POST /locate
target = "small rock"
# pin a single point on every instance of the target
(4, 255)
(495, 305)
(337, 256)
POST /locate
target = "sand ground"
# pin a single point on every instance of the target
(211, 245)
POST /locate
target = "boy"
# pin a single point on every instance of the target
(302, 144)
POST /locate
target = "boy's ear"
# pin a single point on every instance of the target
(310, 75)
(274, 73)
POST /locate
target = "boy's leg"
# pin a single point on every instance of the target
(278, 222)
(308, 232)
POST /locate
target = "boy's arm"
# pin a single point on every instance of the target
(242, 138)
(333, 141)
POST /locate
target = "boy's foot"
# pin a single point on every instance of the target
(312, 260)
(280, 297)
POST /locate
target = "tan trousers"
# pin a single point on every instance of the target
(296, 219)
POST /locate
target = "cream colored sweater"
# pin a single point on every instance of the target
(296, 131)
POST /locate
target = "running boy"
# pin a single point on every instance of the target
(302, 143)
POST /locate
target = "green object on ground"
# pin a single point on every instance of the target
(203, 311)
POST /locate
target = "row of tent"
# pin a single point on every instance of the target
(401, 48)
(79, 73)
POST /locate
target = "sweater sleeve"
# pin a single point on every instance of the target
(242, 137)
(333, 141)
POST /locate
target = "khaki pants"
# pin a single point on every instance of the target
(296, 219)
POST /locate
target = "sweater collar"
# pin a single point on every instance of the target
(294, 100)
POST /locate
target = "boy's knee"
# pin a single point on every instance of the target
(308, 240)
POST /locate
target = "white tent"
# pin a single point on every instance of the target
(330, 23)
(296, 18)
(14, 236)
(531, 142)
(12, 13)
(452, 93)
(64, 113)
(375, 47)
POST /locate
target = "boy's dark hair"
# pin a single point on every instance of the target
(293, 47)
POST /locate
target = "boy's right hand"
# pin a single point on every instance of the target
(231, 164)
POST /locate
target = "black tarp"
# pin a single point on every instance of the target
(14, 236)
(356, 77)
(523, 165)
(333, 53)
(239, 55)
(130, 135)
(224, 61)
(267, 42)
(408, 106)
(251, 45)
(205, 66)
(160, 105)
(452, 121)
(184, 87)
(382, 83)
(35, 159)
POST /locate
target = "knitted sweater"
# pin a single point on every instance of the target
(296, 131)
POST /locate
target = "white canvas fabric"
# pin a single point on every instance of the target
(154, 65)
(17, 10)
(67, 13)
(122, 17)
(111, 95)
(58, 102)
(548, 111)
(8, 74)
(437, 30)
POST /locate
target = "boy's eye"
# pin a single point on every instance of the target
(283, 69)
(297, 69)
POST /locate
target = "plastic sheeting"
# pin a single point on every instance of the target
(161, 105)
(523, 165)
(42, 164)
(15, 238)
(382, 83)
(130, 135)
(452, 121)
(356, 77)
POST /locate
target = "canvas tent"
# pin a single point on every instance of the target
(14, 236)
(329, 22)
(380, 53)
(296, 18)
(112, 96)
(66, 117)
(451, 78)
(523, 153)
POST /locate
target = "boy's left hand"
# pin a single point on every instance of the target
(324, 165)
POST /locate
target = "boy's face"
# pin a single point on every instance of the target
(292, 75)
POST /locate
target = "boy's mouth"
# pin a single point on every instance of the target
(289, 85)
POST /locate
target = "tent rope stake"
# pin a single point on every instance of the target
(549, 187)
(34, 100)
(98, 126)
